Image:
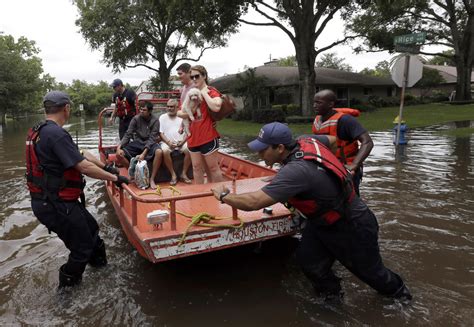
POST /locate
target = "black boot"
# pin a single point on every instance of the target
(66, 279)
(99, 257)
(403, 294)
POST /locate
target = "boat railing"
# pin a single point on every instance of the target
(159, 99)
(135, 198)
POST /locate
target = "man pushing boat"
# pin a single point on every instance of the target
(339, 225)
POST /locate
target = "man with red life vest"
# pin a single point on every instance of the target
(348, 131)
(339, 225)
(124, 100)
(55, 169)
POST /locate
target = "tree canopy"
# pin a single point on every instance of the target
(21, 85)
(449, 23)
(289, 61)
(249, 86)
(382, 69)
(331, 60)
(156, 34)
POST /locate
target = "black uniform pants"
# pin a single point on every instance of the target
(75, 226)
(123, 125)
(355, 245)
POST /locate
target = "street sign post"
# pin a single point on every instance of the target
(406, 71)
(412, 72)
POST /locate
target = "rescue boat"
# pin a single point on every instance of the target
(184, 220)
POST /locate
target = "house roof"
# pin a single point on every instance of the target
(286, 76)
(449, 73)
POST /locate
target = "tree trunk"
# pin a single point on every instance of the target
(3, 115)
(464, 50)
(164, 80)
(307, 75)
(307, 88)
(463, 83)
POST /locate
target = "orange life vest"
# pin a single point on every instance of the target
(43, 185)
(124, 108)
(346, 150)
(329, 211)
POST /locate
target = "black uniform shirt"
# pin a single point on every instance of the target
(56, 150)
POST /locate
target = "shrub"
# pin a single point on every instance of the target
(293, 110)
(244, 114)
(279, 107)
(265, 116)
(364, 107)
(299, 119)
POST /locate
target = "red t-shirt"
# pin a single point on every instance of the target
(202, 131)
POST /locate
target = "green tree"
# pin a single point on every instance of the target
(431, 78)
(289, 61)
(303, 21)
(331, 60)
(92, 97)
(156, 34)
(447, 22)
(446, 59)
(382, 69)
(249, 86)
(20, 83)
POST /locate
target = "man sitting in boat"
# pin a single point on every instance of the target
(172, 140)
(141, 141)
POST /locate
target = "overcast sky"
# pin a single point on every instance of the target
(67, 56)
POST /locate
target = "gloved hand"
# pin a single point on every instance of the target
(120, 180)
(111, 169)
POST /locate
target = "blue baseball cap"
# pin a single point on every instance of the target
(116, 82)
(56, 98)
(271, 134)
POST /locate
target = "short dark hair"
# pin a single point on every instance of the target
(146, 104)
(184, 67)
(289, 146)
(51, 108)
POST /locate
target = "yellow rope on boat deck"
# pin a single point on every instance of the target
(202, 218)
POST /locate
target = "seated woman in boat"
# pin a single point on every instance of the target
(203, 141)
(141, 140)
(172, 140)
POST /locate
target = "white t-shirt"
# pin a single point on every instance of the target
(170, 127)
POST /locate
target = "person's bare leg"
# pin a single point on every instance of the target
(156, 165)
(198, 167)
(122, 161)
(169, 165)
(186, 165)
(213, 165)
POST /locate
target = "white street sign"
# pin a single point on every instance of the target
(415, 71)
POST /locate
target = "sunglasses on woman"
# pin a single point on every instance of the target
(195, 77)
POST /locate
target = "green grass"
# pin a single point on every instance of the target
(379, 120)
(458, 132)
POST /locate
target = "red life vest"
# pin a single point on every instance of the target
(124, 108)
(346, 150)
(43, 185)
(332, 210)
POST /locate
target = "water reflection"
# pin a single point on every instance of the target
(421, 193)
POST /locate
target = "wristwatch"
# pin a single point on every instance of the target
(222, 195)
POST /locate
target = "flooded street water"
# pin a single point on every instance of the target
(422, 196)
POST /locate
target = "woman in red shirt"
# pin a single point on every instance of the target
(203, 142)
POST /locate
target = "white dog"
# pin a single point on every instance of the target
(191, 106)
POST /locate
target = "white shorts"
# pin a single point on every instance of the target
(165, 147)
